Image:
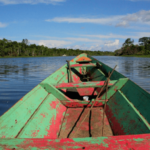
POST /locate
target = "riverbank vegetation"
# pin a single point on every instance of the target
(10, 48)
(24, 49)
(129, 49)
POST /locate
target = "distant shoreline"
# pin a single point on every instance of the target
(43, 56)
(135, 55)
(74, 55)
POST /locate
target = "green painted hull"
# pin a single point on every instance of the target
(51, 114)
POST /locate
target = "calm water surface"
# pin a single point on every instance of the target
(19, 75)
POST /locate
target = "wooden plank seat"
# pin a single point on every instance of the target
(83, 65)
(84, 84)
(116, 85)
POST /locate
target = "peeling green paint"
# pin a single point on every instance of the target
(98, 140)
(117, 86)
(51, 89)
(139, 139)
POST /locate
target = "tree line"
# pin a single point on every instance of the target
(18, 49)
(128, 47)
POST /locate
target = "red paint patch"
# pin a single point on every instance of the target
(55, 122)
(76, 78)
(128, 142)
(34, 133)
(80, 70)
(117, 128)
(85, 91)
(53, 104)
(80, 65)
(66, 140)
(43, 115)
(64, 90)
(78, 83)
(80, 105)
(3, 136)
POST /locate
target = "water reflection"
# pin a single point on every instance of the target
(20, 75)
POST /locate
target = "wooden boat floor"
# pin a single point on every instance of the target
(91, 127)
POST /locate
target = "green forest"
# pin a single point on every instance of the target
(10, 48)
(128, 47)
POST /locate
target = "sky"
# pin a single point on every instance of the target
(79, 24)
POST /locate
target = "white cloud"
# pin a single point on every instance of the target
(95, 47)
(108, 20)
(110, 43)
(122, 23)
(110, 36)
(2, 25)
(85, 45)
(6, 2)
(141, 17)
(133, 35)
(142, 34)
(81, 47)
(51, 43)
(73, 39)
(83, 39)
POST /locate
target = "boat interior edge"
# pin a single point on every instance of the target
(56, 108)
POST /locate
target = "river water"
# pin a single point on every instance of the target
(19, 75)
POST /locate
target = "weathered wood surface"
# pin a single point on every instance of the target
(70, 73)
(91, 127)
(83, 65)
(78, 104)
(123, 116)
(52, 90)
(87, 91)
(57, 76)
(96, 74)
(128, 142)
(46, 121)
(138, 97)
(84, 84)
(18, 103)
(104, 68)
(12, 123)
(112, 90)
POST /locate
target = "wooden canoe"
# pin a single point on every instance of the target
(54, 115)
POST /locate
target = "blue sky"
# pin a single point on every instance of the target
(84, 24)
